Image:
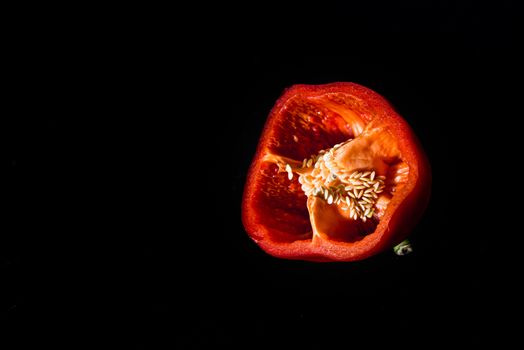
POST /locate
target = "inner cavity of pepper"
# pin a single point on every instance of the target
(328, 172)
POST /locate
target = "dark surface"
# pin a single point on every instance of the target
(124, 198)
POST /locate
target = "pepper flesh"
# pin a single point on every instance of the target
(306, 119)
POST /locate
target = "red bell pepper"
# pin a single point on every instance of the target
(338, 175)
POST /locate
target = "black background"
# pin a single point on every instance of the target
(127, 164)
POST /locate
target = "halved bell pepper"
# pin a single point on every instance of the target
(338, 175)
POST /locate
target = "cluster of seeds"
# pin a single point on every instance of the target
(355, 192)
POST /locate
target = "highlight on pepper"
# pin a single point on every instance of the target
(338, 175)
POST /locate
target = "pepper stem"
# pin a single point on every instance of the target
(403, 248)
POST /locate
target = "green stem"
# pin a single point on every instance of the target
(403, 248)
